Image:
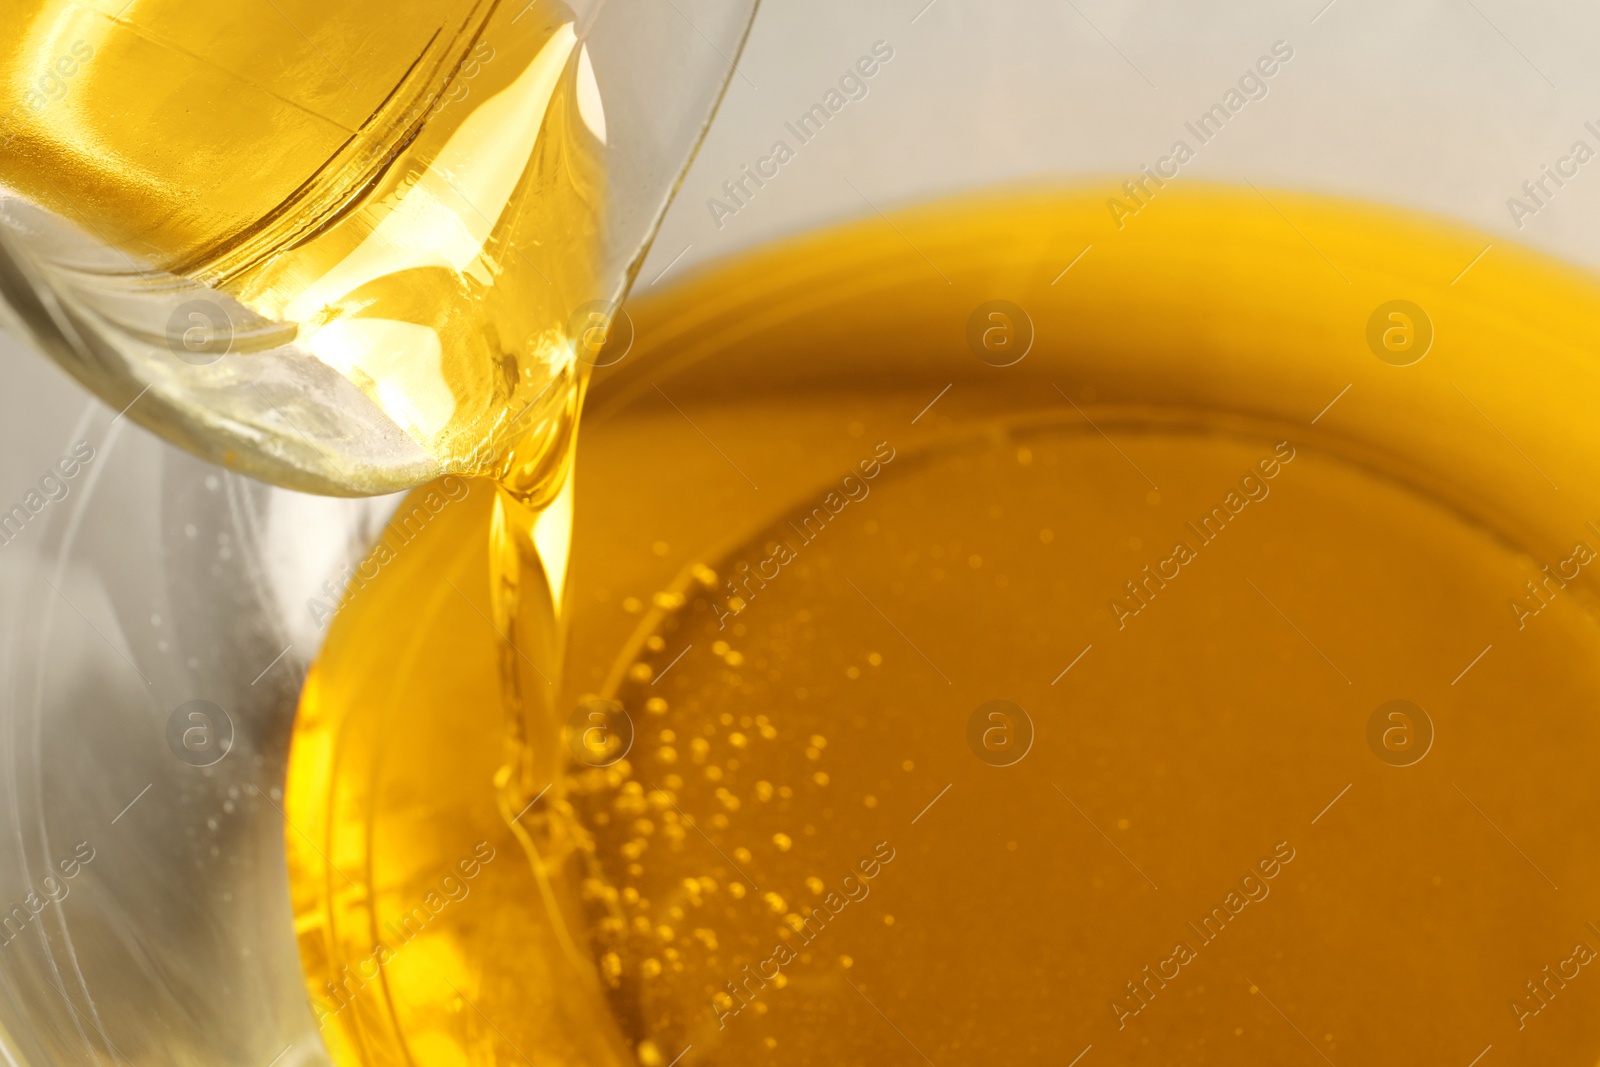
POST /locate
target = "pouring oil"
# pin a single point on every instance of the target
(1181, 652)
(416, 201)
(1213, 680)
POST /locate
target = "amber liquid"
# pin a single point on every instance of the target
(1222, 513)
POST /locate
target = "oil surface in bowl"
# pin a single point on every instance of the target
(1211, 681)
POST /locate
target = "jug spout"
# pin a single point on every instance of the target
(385, 245)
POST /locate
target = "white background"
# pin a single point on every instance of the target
(1447, 107)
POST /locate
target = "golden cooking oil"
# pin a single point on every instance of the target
(1026, 633)
(1001, 637)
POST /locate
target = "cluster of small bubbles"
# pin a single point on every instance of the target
(678, 836)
